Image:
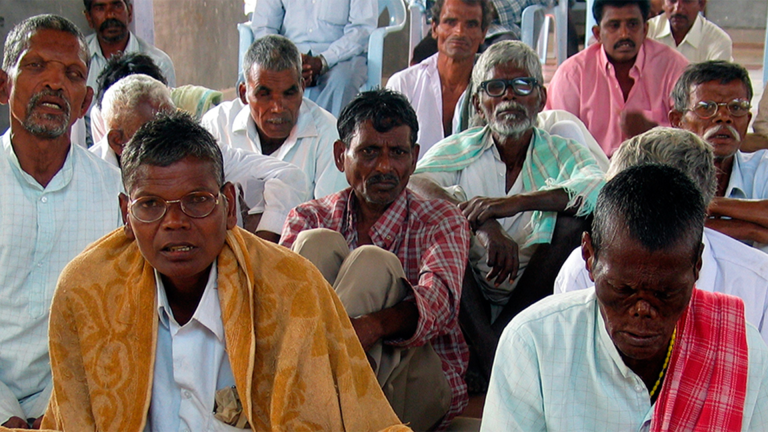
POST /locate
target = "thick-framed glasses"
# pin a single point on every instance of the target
(708, 109)
(522, 86)
(196, 205)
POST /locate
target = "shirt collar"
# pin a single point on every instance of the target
(636, 67)
(304, 128)
(59, 181)
(208, 312)
(736, 182)
(387, 232)
(95, 49)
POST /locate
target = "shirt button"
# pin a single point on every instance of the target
(638, 389)
(44, 199)
(187, 394)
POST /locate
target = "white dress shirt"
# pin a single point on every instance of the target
(727, 266)
(270, 186)
(43, 229)
(557, 369)
(191, 364)
(135, 44)
(704, 41)
(309, 146)
(749, 180)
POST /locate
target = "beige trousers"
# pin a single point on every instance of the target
(369, 279)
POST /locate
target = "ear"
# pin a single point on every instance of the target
(126, 220)
(116, 141)
(476, 106)
(433, 30)
(645, 28)
(5, 88)
(339, 150)
(699, 261)
(86, 102)
(241, 92)
(414, 157)
(588, 253)
(675, 118)
(596, 33)
(229, 192)
(542, 98)
(129, 9)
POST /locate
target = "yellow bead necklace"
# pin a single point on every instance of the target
(666, 363)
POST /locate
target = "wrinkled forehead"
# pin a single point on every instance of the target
(51, 41)
(716, 90)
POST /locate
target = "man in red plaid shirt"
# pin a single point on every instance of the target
(395, 259)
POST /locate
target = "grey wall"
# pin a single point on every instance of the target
(738, 13)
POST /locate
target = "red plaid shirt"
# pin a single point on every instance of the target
(431, 238)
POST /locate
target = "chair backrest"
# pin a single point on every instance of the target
(397, 13)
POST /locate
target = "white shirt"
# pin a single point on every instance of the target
(420, 84)
(727, 266)
(749, 180)
(557, 369)
(43, 229)
(135, 44)
(309, 146)
(704, 41)
(270, 186)
(191, 364)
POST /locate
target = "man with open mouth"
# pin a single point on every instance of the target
(712, 100)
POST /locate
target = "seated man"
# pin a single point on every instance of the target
(395, 259)
(711, 99)
(727, 265)
(620, 86)
(332, 36)
(267, 188)
(196, 323)
(682, 27)
(56, 199)
(273, 118)
(643, 350)
(518, 187)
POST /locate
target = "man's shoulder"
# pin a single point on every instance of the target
(225, 111)
(320, 208)
(577, 63)
(320, 116)
(411, 73)
(659, 55)
(713, 32)
(562, 310)
(433, 211)
(151, 50)
(93, 165)
(744, 260)
(657, 26)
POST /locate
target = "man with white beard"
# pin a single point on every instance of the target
(524, 192)
(712, 100)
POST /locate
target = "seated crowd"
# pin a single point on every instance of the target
(310, 257)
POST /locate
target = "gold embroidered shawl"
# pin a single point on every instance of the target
(296, 360)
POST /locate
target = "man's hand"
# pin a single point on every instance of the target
(478, 210)
(16, 423)
(311, 69)
(634, 123)
(502, 252)
(38, 421)
(368, 330)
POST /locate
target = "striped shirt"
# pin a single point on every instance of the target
(431, 239)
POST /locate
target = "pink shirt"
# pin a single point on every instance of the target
(586, 86)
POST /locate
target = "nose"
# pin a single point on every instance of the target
(54, 75)
(723, 115)
(276, 104)
(643, 309)
(383, 163)
(174, 217)
(624, 30)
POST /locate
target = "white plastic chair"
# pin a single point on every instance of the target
(396, 10)
(534, 28)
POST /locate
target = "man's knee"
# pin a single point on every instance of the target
(324, 248)
(370, 279)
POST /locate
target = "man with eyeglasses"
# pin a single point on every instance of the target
(683, 27)
(191, 323)
(620, 86)
(520, 189)
(712, 100)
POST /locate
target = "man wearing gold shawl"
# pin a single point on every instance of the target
(182, 321)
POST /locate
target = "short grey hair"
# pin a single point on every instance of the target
(274, 53)
(516, 53)
(123, 97)
(677, 148)
(18, 38)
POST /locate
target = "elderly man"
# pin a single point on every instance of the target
(682, 27)
(273, 118)
(727, 265)
(518, 187)
(109, 20)
(645, 349)
(435, 85)
(395, 259)
(332, 36)
(267, 188)
(57, 198)
(620, 86)
(711, 99)
(183, 329)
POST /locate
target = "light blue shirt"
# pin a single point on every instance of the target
(557, 369)
(336, 29)
(191, 364)
(749, 179)
(43, 229)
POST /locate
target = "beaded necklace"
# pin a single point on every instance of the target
(666, 363)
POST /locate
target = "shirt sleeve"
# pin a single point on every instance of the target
(441, 273)
(514, 401)
(363, 18)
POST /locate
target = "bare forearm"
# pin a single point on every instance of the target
(754, 142)
(739, 229)
(555, 200)
(429, 189)
(753, 211)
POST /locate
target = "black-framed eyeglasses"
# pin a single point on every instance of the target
(708, 109)
(522, 86)
(150, 209)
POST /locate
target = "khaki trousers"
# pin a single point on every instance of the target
(369, 279)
